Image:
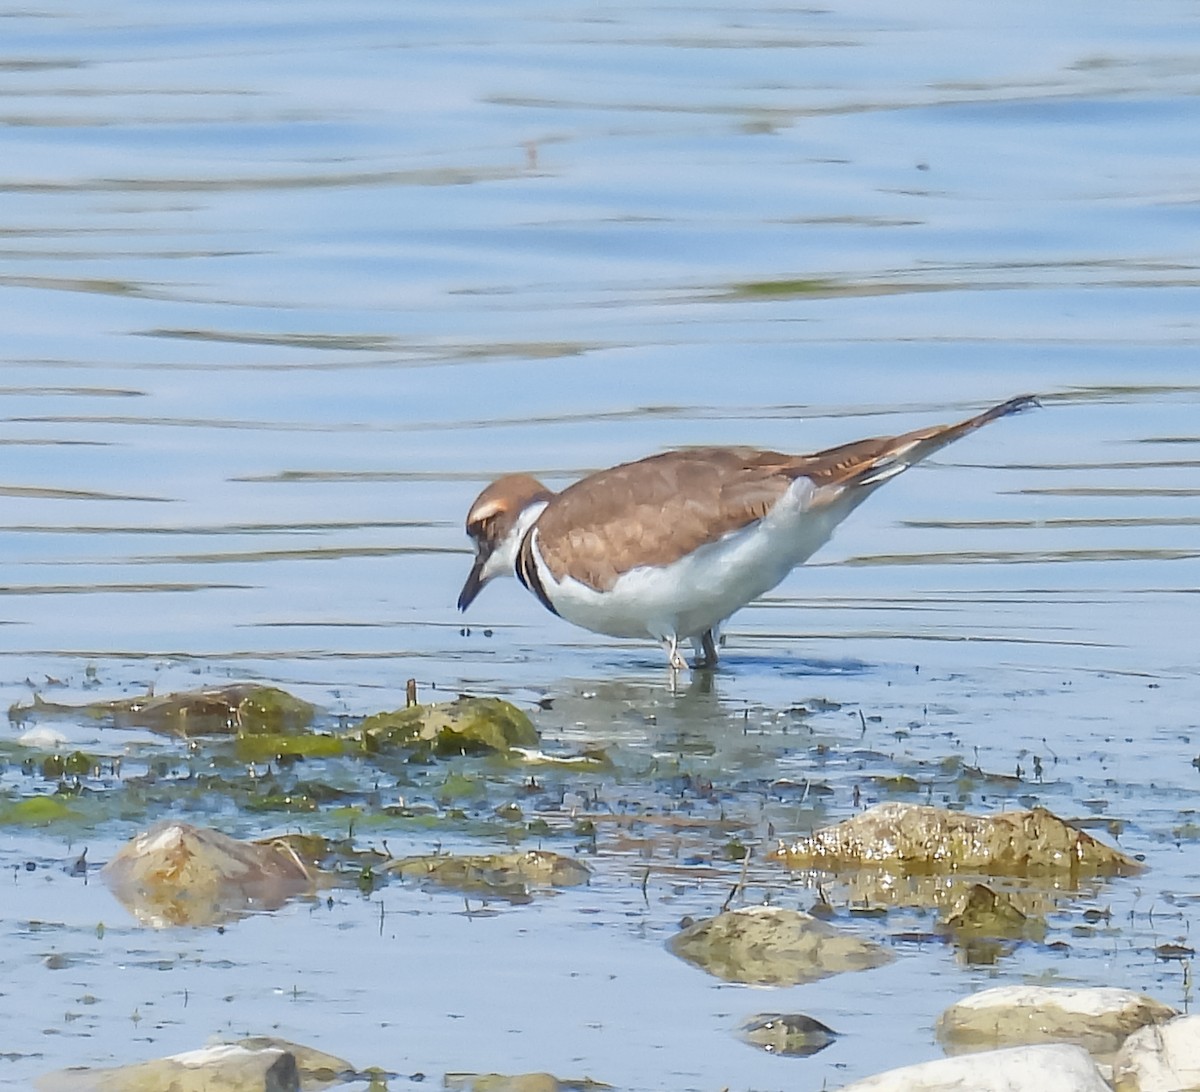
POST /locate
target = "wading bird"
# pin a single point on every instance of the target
(668, 547)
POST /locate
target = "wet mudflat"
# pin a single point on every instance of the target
(283, 287)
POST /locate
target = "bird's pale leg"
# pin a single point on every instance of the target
(671, 644)
(706, 651)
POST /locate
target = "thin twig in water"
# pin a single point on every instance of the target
(740, 885)
(291, 852)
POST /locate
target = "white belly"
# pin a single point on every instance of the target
(698, 592)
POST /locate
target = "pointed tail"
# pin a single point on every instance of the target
(861, 466)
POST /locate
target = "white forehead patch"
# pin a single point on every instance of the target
(486, 510)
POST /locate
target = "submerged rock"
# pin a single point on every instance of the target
(1057, 1068)
(951, 894)
(499, 875)
(1160, 1058)
(773, 946)
(791, 1034)
(270, 724)
(923, 838)
(521, 1082)
(463, 726)
(178, 874)
(1098, 1019)
(227, 710)
(229, 1067)
(43, 737)
(982, 912)
(316, 1068)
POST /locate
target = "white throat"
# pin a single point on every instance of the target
(503, 560)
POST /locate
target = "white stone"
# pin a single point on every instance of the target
(1098, 1019)
(1079, 1000)
(1163, 1058)
(47, 738)
(219, 1054)
(1051, 1068)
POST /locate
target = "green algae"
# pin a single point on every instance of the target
(459, 788)
(785, 288)
(283, 801)
(36, 811)
(75, 764)
(251, 747)
(233, 732)
(268, 723)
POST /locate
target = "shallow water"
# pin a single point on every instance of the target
(283, 287)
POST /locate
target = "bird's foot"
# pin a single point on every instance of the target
(706, 652)
(677, 662)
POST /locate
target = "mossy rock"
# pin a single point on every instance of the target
(237, 709)
(983, 912)
(926, 840)
(75, 764)
(499, 875)
(462, 726)
(520, 1082)
(773, 946)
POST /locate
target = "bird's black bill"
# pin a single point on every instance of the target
(473, 586)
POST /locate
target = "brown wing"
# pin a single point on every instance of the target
(653, 511)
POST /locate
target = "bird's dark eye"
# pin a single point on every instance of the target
(482, 530)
